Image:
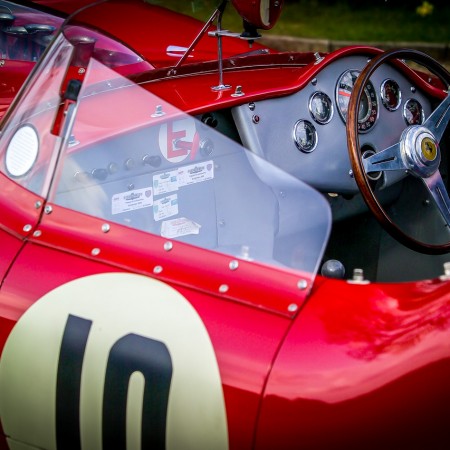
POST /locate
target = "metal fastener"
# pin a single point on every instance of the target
(95, 252)
(37, 233)
(48, 210)
(168, 246)
(27, 228)
(292, 307)
(223, 288)
(157, 270)
(234, 265)
(302, 284)
(106, 228)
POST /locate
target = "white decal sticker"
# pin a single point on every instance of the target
(165, 183)
(165, 207)
(132, 200)
(22, 151)
(178, 139)
(113, 360)
(176, 228)
(195, 173)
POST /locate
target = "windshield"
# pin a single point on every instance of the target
(95, 142)
(25, 32)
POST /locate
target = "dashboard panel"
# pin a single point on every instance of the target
(304, 133)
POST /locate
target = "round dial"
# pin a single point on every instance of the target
(321, 107)
(368, 107)
(391, 95)
(305, 136)
(413, 112)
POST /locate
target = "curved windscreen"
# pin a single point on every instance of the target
(112, 149)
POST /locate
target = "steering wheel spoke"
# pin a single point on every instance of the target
(437, 189)
(388, 159)
(438, 120)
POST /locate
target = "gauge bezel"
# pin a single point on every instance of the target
(372, 97)
(297, 143)
(331, 107)
(422, 112)
(383, 98)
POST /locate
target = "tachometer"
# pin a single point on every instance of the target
(368, 107)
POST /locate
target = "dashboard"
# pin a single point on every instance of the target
(304, 133)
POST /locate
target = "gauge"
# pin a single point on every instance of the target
(368, 107)
(305, 136)
(321, 107)
(391, 95)
(413, 112)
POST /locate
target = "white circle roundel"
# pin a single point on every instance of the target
(113, 360)
(22, 151)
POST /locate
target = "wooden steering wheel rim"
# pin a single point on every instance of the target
(354, 149)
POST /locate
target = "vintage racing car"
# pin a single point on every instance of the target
(208, 244)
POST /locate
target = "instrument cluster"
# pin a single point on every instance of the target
(321, 108)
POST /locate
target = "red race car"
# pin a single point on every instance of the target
(207, 244)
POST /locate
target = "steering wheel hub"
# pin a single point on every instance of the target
(420, 151)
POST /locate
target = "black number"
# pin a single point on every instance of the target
(68, 383)
(131, 353)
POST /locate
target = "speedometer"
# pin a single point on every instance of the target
(368, 107)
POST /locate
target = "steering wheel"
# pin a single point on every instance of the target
(417, 152)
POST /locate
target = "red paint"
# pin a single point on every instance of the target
(358, 366)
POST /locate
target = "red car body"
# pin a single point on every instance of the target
(298, 360)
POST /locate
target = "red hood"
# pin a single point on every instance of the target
(156, 33)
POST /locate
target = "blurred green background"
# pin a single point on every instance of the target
(349, 20)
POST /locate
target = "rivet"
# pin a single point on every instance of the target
(256, 119)
(106, 227)
(168, 246)
(350, 172)
(37, 233)
(157, 270)
(413, 89)
(38, 204)
(302, 284)
(223, 288)
(292, 307)
(358, 274)
(234, 265)
(314, 81)
(238, 92)
(27, 228)
(48, 209)
(95, 252)
(251, 106)
(447, 269)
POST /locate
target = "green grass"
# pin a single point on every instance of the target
(311, 19)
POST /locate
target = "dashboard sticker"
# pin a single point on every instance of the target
(166, 182)
(195, 173)
(175, 228)
(165, 207)
(178, 139)
(132, 200)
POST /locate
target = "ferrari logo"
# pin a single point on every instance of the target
(429, 149)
